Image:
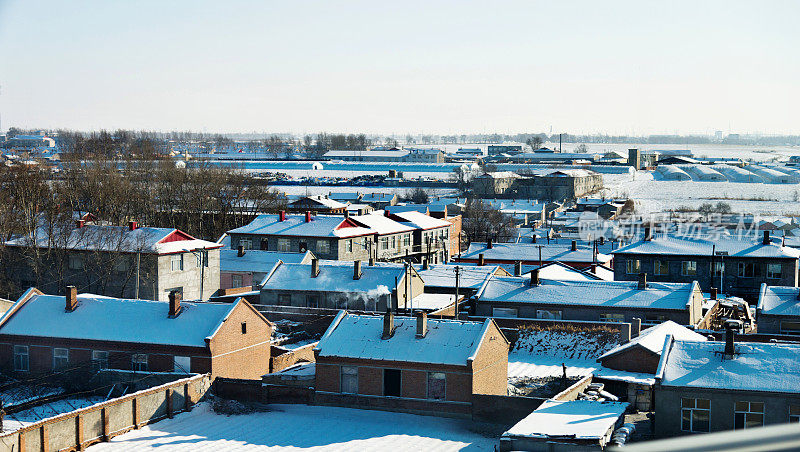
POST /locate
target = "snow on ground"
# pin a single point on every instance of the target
(15, 421)
(314, 190)
(293, 427)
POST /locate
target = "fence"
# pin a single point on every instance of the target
(100, 422)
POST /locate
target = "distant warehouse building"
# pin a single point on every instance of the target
(543, 185)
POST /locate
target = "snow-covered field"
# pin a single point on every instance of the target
(295, 427)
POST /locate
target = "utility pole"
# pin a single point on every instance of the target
(408, 275)
(455, 306)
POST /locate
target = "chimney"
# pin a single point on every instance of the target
(636, 326)
(386, 213)
(79, 224)
(422, 324)
(314, 267)
(71, 298)
(535, 277)
(308, 217)
(518, 268)
(240, 251)
(534, 238)
(282, 215)
(489, 243)
(481, 260)
(371, 261)
(648, 236)
(388, 324)
(593, 268)
(642, 281)
(766, 238)
(730, 336)
(425, 263)
(174, 303)
(356, 269)
(713, 291)
(132, 225)
(602, 240)
(625, 332)
(574, 245)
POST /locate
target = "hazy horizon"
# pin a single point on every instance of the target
(617, 68)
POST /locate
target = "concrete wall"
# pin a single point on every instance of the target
(282, 359)
(192, 278)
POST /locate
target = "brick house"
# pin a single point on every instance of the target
(739, 266)
(431, 235)
(409, 364)
(123, 261)
(45, 333)
(778, 310)
(320, 203)
(714, 386)
(572, 254)
(240, 268)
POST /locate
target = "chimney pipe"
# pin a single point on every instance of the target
(574, 245)
(593, 268)
(371, 261)
(535, 277)
(425, 263)
(314, 267)
(642, 281)
(518, 268)
(71, 298)
(648, 236)
(534, 238)
(132, 225)
(636, 326)
(481, 260)
(766, 238)
(356, 269)
(730, 339)
(489, 243)
(388, 324)
(713, 291)
(282, 215)
(308, 217)
(79, 224)
(422, 324)
(386, 212)
(240, 251)
(174, 303)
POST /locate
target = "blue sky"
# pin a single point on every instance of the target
(402, 67)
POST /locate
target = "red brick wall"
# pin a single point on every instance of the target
(370, 381)
(414, 384)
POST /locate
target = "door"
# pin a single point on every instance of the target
(391, 382)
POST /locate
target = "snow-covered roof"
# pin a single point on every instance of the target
(296, 225)
(653, 338)
(562, 272)
(433, 301)
(355, 336)
(345, 196)
(684, 246)
(576, 419)
(755, 366)
(322, 200)
(257, 260)
(93, 237)
(371, 153)
(380, 223)
(611, 294)
(100, 318)
(419, 220)
(444, 275)
(377, 197)
(779, 300)
(530, 252)
(334, 277)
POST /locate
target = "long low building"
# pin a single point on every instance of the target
(778, 310)
(572, 254)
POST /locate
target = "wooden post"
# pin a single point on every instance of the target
(79, 431)
(44, 438)
(21, 436)
(169, 403)
(187, 401)
(135, 409)
(104, 419)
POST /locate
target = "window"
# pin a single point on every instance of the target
(660, 267)
(21, 358)
(745, 269)
(391, 382)
(236, 281)
(550, 315)
(323, 246)
(794, 413)
(774, 271)
(139, 362)
(75, 262)
(632, 266)
(100, 359)
(504, 312)
(406, 240)
(689, 268)
(176, 262)
(284, 299)
(384, 243)
(792, 328)
(350, 246)
(612, 317)
(264, 244)
(121, 265)
(60, 358)
(349, 380)
(436, 385)
(244, 327)
(181, 364)
(695, 415)
(654, 319)
(283, 245)
(246, 244)
(748, 415)
(312, 301)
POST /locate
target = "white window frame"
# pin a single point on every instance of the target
(246, 244)
(237, 280)
(140, 362)
(717, 269)
(771, 273)
(60, 358)
(352, 372)
(100, 359)
(22, 356)
(284, 245)
(510, 313)
(176, 260)
(745, 414)
(741, 270)
(691, 411)
(658, 265)
(549, 314)
(435, 376)
(633, 266)
(794, 413)
(685, 268)
(323, 246)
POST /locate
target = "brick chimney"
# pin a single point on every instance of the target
(533, 239)
(314, 267)
(489, 243)
(388, 324)
(79, 224)
(132, 225)
(481, 260)
(240, 251)
(356, 269)
(371, 261)
(535, 277)
(174, 303)
(425, 263)
(308, 217)
(574, 245)
(71, 298)
(642, 281)
(422, 324)
(766, 238)
(636, 326)
(518, 268)
(282, 215)
(713, 291)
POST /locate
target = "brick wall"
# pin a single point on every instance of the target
(239, 354)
